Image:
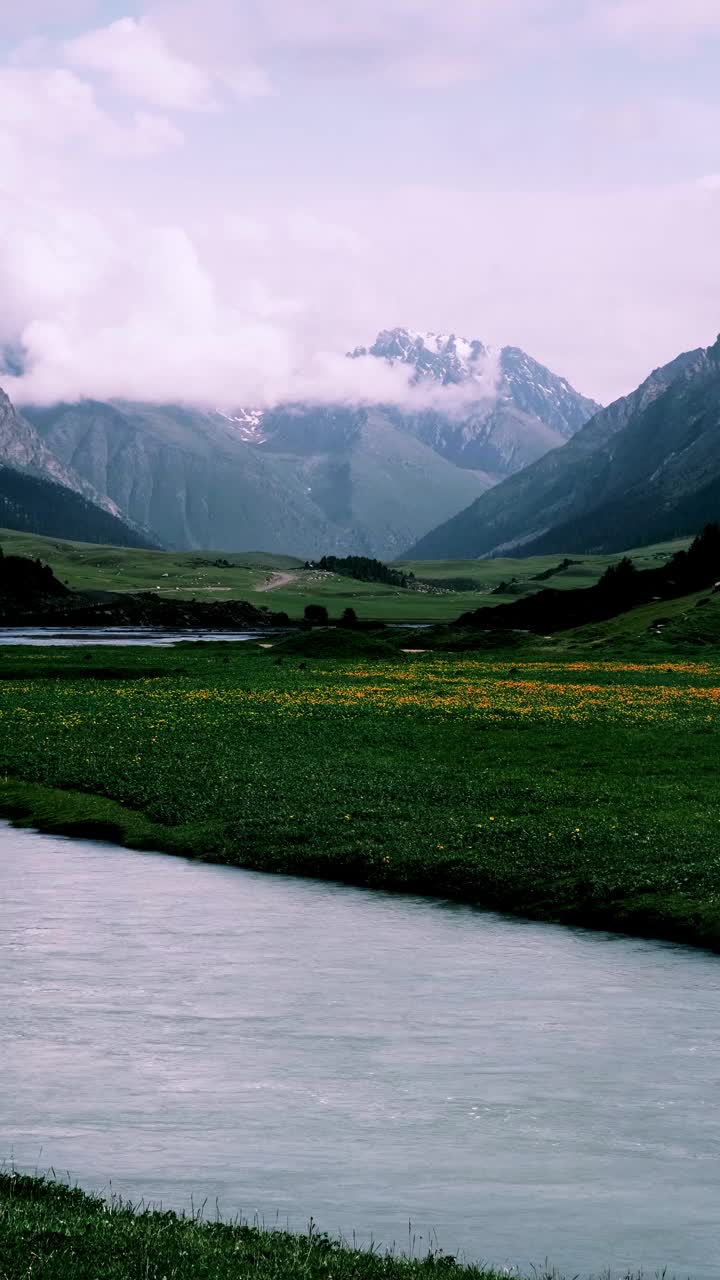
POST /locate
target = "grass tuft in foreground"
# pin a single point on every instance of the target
(49, 1231)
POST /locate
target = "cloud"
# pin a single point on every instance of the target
(49, 108)
(418, 41)
(138, 315)
(422, 42)
(228, 312)
(115, 307)
(238, 265)
(331, 378)
(657, 19)
(313, 232)
(180, 52)
(139, 63)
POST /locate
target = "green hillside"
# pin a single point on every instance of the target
(282, 583)
(689, 624)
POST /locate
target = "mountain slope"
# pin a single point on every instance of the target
(622, 588)
(22, 447)
(314, 480)
(663, 480)
(33, 505)
(40, 495)
(614, 453)
(521, 411)
(322, 482)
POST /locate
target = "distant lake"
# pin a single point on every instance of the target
(118, 636)
(290, 1048)
(156, 636)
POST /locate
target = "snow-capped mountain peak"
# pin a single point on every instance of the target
(444, 357)
(247, 424)
(518, 379)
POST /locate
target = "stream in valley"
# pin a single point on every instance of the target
(290, 1048)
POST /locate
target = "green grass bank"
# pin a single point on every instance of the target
(49, 1231)
(560, 788)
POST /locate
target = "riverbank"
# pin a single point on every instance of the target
(54, 1232)
(580, 792)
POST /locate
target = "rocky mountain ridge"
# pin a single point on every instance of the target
(644, 469)
(521, 409)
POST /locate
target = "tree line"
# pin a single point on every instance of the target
(363, 569)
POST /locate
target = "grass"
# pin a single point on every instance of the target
(49, 1231)
(557, 787)
(555, 784)
(86, 567)
(690, 624)
(187, 574)
(339, 642)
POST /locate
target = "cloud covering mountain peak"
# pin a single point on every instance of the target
(196, 203)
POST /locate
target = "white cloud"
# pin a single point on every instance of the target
(116, 307)
(48, 109)
(239, 269)
(110, 304)
(307, 230)
(140, 64)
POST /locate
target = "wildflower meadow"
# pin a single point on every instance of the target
(581, 791)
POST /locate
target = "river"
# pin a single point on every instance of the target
(291, 1049)
(156, 637)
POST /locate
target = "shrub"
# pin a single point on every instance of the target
(316, 615)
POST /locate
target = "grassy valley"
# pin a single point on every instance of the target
(283, 584)
(548, 784)
(567, 778)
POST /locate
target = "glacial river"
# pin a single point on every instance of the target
(288, 1048)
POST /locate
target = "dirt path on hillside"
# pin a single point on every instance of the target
(277, 580)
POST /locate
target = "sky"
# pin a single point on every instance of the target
(213, 200)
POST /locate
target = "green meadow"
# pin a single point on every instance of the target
(553, 785)
(571, 780)
(283, 584)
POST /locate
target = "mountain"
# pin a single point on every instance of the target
(22, 448)
(645, 469)
(317, 480)
(310, 482)
(40, 495)
(522, 409)
(34, 505)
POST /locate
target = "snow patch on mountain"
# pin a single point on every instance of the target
(247, 424)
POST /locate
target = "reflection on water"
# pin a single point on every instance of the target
(293, 1048)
